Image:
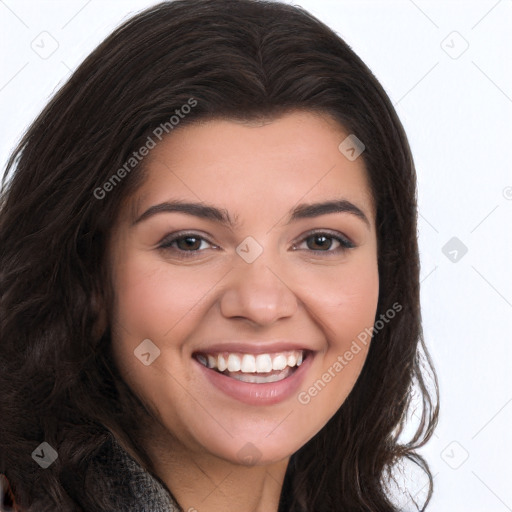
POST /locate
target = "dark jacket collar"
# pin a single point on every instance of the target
(130, 486)
(117, 477)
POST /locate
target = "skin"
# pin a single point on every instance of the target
(295, 290)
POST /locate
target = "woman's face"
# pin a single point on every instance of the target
(250, 246)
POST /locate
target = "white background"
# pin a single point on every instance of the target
(456, 107)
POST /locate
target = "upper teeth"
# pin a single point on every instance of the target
(250, 363)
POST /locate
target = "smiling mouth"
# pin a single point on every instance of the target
(254, 368)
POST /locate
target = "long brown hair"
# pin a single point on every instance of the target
(237, 59)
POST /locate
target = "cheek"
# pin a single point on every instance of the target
(353, 302)
(342, 300)
(152, 301)
(343, 304)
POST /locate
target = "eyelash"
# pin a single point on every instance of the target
(166, 244)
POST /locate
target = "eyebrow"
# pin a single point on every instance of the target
(200, 210)
(308, 211)
(210, 212)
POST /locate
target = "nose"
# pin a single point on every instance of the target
(258, 294)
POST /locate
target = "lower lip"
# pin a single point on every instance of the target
(258, 394)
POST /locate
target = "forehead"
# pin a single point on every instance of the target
(239, 166)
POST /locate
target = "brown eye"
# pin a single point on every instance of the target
(185, 244)
(319, 242)
(326, 242)
(188, 243)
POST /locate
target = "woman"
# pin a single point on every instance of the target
(210, 275)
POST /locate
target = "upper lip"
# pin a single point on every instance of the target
(253, 347)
